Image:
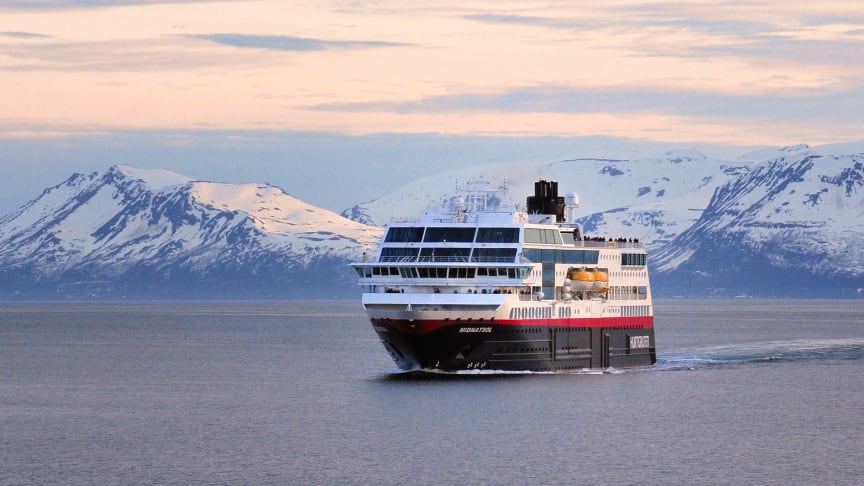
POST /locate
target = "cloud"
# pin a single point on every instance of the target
(132, 55)
(799, 104)
(63, 4)
(630, 18)
(24, 35)
(288, 43)
(776, 47)
(517, 68)
(507, 19)
(530, 20)
(714, 30)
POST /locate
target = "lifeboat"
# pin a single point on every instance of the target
(581, 279)
(601, 280)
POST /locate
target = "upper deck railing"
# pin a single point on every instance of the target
(448, 259)
(608, 243)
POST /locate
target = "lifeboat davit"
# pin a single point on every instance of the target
(581, 279)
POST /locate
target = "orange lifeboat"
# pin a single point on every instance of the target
(601, 280)
(581, 279)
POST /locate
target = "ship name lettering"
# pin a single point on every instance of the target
(475, 329)
(640, 342)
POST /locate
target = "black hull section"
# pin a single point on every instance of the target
(522, 347)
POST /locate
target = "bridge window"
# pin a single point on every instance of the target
(459, 235)
(461, 272)
(396, 254)
(385, 271)
(494, 255)
(364, 271)
(543, 236)
(445, 254)
(404, 235)
(498, 235)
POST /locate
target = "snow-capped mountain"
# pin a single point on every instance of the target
(776, 222)
(138, 231)
(651, 199)
(794, 223)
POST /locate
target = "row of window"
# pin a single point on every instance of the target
(542, 312)
(391, 254)
(635, 310)
(627, 292)
(543, 236)
(567, 312)
(440, 272)
(531, 313)
(573, 257)
(630, 274)
(414, 234)
(537, 255)
(633, 259)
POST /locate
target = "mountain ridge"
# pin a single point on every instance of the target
(136, 227)
(792, 223)
(788, 224)
(798, 223)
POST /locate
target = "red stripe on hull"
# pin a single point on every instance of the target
(424, 327)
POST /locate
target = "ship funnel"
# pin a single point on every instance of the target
(546, 200)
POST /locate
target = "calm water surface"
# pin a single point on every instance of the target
(745, 392)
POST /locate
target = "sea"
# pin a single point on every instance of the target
(294, 393)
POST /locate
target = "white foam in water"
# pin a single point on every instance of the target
(774, 351)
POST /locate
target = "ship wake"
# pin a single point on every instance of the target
(768, 352)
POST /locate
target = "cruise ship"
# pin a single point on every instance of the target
(467, 288)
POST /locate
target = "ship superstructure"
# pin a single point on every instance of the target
(468, 288)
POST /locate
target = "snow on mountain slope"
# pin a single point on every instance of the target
(775, 220)
(651, 199)
(791, 219)
(274, 211)
(801, 211)
(153, 178)
(127, 219)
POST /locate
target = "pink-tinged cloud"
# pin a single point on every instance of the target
(717, 72)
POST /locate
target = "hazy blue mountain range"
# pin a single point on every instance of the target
(774, 223)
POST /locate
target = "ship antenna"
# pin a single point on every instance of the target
(571, 200)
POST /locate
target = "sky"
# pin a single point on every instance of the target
(337, 101)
